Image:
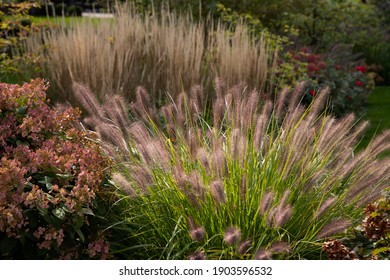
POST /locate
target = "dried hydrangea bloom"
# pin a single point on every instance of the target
(74, 168)
(375, 226)
(335, 250)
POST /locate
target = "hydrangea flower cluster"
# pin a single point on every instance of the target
(50, 175)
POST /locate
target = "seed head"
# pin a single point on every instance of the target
(266, 202)
(280, 247)
(244, 246)
(123, 184)
(203, 156)
(263, 254)
(282, 215)
(88, 100)
(197, 256)
(218, 192)
(198, 233)
(333, 227)
(325, 206)
(232, 236)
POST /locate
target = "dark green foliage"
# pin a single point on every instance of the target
(61, 9)
(75, 11)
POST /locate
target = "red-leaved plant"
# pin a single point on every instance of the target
(50, 175)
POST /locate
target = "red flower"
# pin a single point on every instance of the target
(361, 68)
(322, 64)
(297, 56)
(312, 92)
(359, 83)
(338, 67)
(312, 67)
(312, 58)
(304, 49)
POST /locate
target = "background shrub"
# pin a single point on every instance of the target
(75, 11)
(349, 86)
(61, 9)
(51, 179)
(17, 65)
(351, 31)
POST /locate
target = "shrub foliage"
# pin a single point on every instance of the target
(349, 86)
(50, 175)
(369, 240)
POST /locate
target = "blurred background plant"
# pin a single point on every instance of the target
(17, 65)
(164, 54)
(349, 87)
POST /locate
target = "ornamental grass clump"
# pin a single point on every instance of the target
(242, 178)
(51, 177)
(163, 51)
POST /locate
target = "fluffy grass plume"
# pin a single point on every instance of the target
(253, 179)
(164, 52)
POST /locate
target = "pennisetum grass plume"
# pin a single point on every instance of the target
(286, 179)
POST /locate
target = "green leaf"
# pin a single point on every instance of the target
(22, 143)
(374, 214)
(42, 211)
(87, 211)
(64, 176)
(379, 250)
(21, 110)
(79, 222)
(47, 182)
(60, 212)
(80, 234)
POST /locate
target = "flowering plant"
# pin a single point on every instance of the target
(50, 175)
(370, 240)
(349, 88)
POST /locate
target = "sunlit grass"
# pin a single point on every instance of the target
(165, 53)
(276, 179)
